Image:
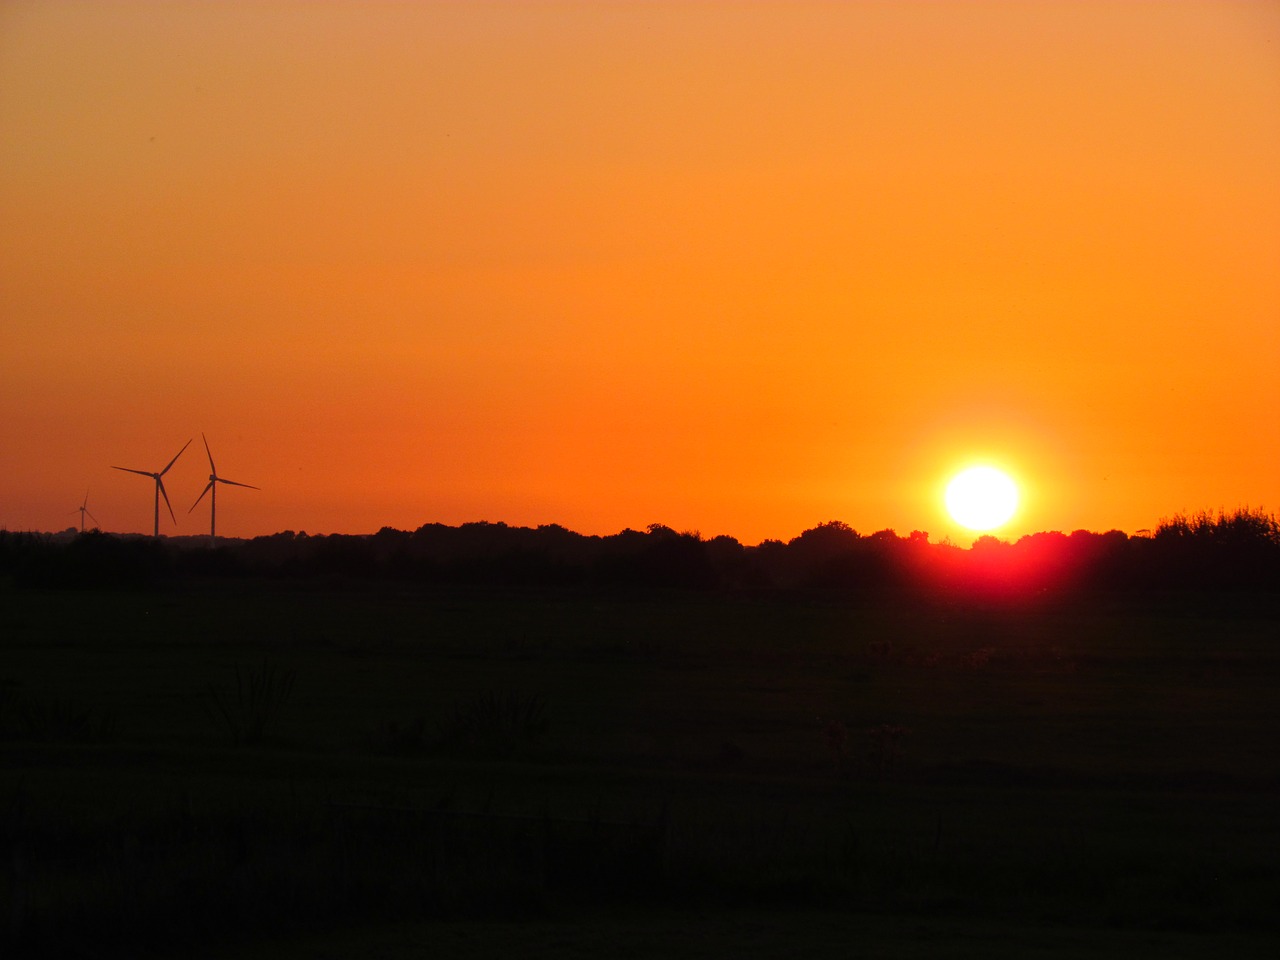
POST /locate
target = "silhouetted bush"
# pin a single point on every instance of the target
(1236, 549)
(245, 708)
(495, 724)
(56, 721)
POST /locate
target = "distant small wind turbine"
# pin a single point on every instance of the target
(159, 485)
(83, 509)
(212, 490)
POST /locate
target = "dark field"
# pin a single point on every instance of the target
(252, 770)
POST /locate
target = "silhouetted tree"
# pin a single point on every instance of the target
(814, 558)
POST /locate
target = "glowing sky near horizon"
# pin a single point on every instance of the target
(740, 268)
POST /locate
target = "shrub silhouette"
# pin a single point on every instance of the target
(495, 724)
(245, 708)
(1236, 549)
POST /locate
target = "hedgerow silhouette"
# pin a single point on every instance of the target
(1238, 549)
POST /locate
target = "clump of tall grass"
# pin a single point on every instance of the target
(878, 760)
(495, 724)
(488, 724)
(399, 738)
(54, 720)
(245, 708)
(884, 749)
(835, 734)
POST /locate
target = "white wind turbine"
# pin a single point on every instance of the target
(83, 509)
(159, 485)
(212, 490)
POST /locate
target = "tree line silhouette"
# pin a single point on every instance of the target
(1232, 550)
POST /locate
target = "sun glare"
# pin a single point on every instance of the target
(981, 498)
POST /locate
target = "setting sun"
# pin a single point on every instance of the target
(981, 498)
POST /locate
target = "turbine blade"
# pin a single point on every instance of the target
(235, 484)
(93, 518)
(144, 473)
(212, 468)
(207, 488)
(160, 484)
(174, 460)
(86, 499)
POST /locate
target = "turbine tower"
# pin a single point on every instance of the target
(83, 509)
(212, 490)
(159, 485)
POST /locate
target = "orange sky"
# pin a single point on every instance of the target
(733, 267)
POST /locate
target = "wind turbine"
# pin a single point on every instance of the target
(159, 485)
(212, 490)
(84, 509)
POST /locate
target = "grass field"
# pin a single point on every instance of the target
(255, 769)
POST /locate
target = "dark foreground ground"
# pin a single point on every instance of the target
(805, 934)
(286, 771)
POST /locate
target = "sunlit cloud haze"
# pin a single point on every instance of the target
(733, 267)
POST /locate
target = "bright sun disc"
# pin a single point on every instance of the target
(981, 498)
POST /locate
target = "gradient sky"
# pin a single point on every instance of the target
(739, 268)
